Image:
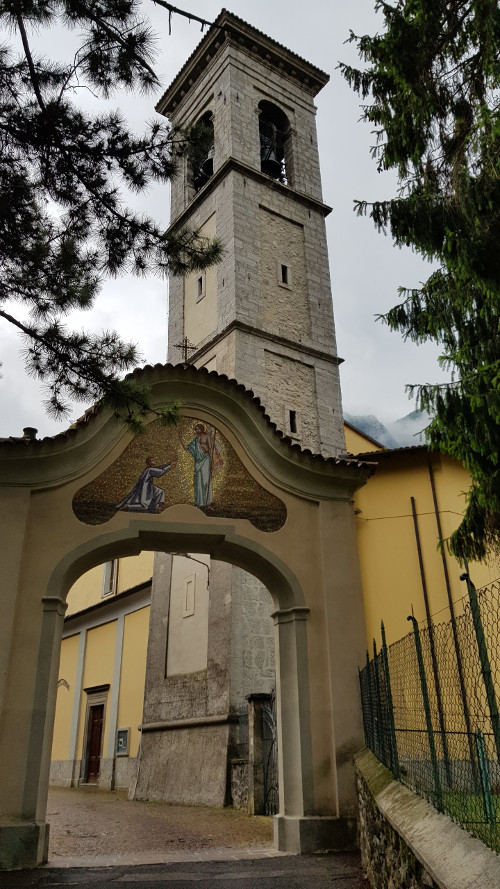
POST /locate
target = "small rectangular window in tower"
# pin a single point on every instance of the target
(200, 287)
(292, 423)
(284, 275)
(109, 578)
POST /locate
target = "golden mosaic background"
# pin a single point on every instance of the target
(235, 494)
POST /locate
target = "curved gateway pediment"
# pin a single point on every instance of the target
(222, 481)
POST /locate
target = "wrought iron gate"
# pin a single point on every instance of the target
(270, 755)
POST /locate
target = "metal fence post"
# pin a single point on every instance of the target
(366, 703)
(390, 706)
(380, 733)
(488, 802)
(485, 661)
(427, 711)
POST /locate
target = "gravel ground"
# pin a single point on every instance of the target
(91, 822)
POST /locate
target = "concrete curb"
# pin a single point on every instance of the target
(144, 858)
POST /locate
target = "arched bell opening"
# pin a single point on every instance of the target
(201, 156)
(275, 142)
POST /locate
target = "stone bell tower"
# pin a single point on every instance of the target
(264, 315)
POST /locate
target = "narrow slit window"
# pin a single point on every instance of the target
(284, 273)
(293, 422)
(200, 288)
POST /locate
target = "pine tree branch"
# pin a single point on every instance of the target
(22, 327)
(188, 15)
(64, 172)
(29, 59)
(115, 35)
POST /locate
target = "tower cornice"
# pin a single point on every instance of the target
(232, 164)
(229, 29)
(235, 325)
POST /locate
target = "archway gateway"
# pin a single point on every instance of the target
(68, 504)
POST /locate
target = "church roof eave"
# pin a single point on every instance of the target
(229, 27)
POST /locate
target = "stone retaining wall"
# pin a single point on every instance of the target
(407, 844)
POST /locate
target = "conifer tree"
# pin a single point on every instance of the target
(431, 91)
(64, 172)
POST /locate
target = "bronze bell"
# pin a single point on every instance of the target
(270, 162)
(207, 166)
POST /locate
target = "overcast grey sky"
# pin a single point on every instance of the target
(365, 268)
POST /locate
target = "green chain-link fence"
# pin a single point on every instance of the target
(430, 711)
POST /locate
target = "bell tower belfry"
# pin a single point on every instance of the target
(264, 314)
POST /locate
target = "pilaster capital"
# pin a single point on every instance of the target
(290, 615)
(54, 603)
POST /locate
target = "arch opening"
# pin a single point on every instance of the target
(275, 142)
(201, 156)
(99, 702)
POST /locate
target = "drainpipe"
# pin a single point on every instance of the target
(432, 646)
(463, 693)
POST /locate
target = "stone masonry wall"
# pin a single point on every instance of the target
(407, 844)
(296, 389)
(285, 307)
(387, 860)
(252, 667)
(187, 765)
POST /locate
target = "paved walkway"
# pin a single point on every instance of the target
(102, 841)
(88, 826)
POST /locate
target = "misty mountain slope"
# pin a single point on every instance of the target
(404, 432)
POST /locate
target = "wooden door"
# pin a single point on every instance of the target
(96, 718)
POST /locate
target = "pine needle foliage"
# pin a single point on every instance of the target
(64, 176)
(431, 89)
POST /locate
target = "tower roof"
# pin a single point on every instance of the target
(227, 29)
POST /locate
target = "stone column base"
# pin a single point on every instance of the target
(302, 835)
(106, 779)
(23, 844)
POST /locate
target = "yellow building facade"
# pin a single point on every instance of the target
(101, 675)
(414, 498)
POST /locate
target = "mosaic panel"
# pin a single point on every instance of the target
(191, 462)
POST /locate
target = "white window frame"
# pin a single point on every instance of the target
(109, 578)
